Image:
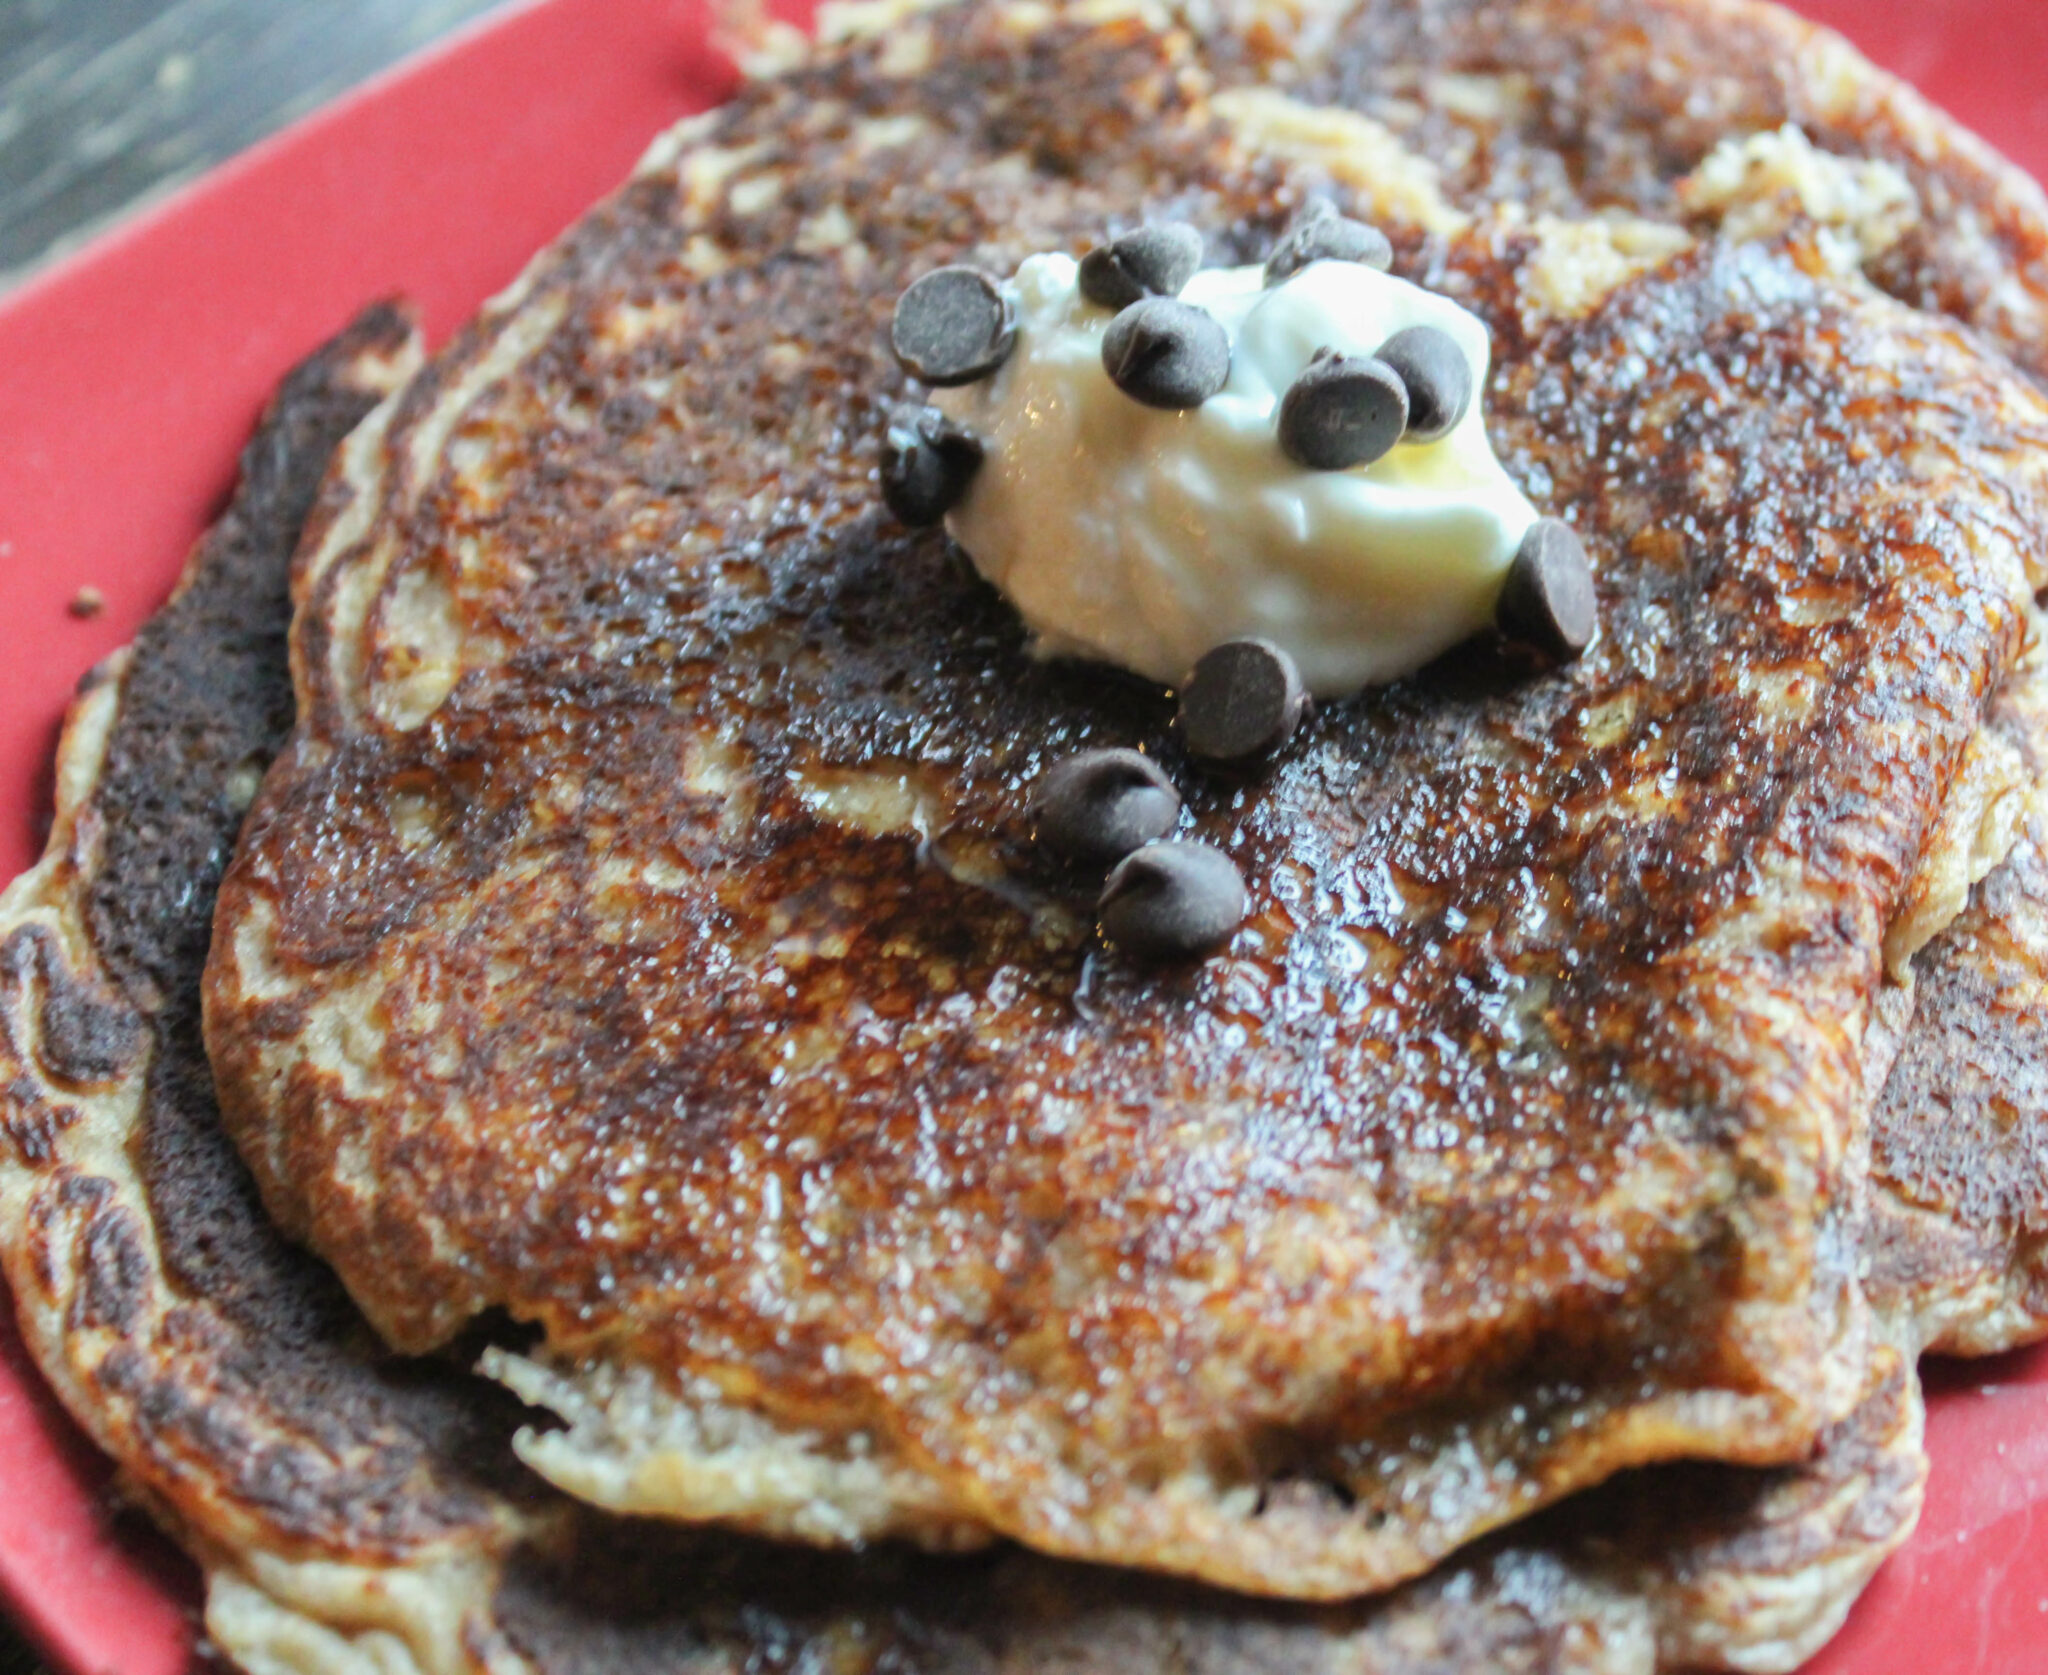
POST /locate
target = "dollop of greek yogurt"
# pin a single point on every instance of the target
(1144, 537)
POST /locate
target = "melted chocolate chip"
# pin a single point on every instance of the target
(927, 463)
(1548, 600)
(1172, 901)
(1319, 234)
(1166, 353)
(1244, 699)
(1151, 262)
(1343, 410)
(953, 326)
(1438, 378)
(1095, 808)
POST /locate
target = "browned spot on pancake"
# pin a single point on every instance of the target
(114, 1271)
(82, 1038)
(1963, 1123)
(32, 1123)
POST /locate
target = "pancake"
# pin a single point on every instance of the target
(355, 1513)
(221, 1368)
(614, 945)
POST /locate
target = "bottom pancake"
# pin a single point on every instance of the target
(355, 1512)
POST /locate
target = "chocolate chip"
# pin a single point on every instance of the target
(1172, 901)
(1095, 808)
(1437, 377)
(1151, 262)
(953, 326)
(1319, 234)
(1166, 353)
(1343, 410)
(1548, 600)
(1243, 699)
(927, 463)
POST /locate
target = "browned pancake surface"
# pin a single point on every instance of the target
(263, 1420)
(610, 1600)
(1559, 106)
(1505, 1146)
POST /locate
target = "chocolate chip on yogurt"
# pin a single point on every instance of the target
(1344, 410)
(1241, 701)
(1166, 353)
(953, 326)
(1548, 600)
(1438, 379)
(1319, 234)
(1154, 261)
(1172, 901)
(928, 462)
(1094, 808)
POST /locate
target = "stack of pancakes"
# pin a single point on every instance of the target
(750, 1229)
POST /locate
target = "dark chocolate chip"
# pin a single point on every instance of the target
(953, 326)
(1319, 234)
(1548, 600)
(1095, 808)
(1243, 699)
(927, 463)
(1151, 262)
(1343, 410)
(1172, 901)
(1437, 376)
(1166, 353)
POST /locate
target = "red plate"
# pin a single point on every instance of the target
(132, 373)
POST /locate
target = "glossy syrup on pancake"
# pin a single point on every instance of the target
(583, 961)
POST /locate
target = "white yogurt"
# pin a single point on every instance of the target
(1145, 538)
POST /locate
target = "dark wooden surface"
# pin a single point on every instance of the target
(107, 104)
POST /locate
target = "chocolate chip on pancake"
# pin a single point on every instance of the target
(1436, 375)
(1319, 234)
(1166, 353)
(1243, 700)
(927, 463)
(953, 326)
(1343, 411)
(1172, 901)
(1154, 261)
(1548, 600)
(1095, 808)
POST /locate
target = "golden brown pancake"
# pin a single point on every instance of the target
(621, 943)
(357, 1513)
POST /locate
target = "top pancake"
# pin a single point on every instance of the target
(587, 956)
(326, 1485)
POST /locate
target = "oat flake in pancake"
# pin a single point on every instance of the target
(584, 959)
